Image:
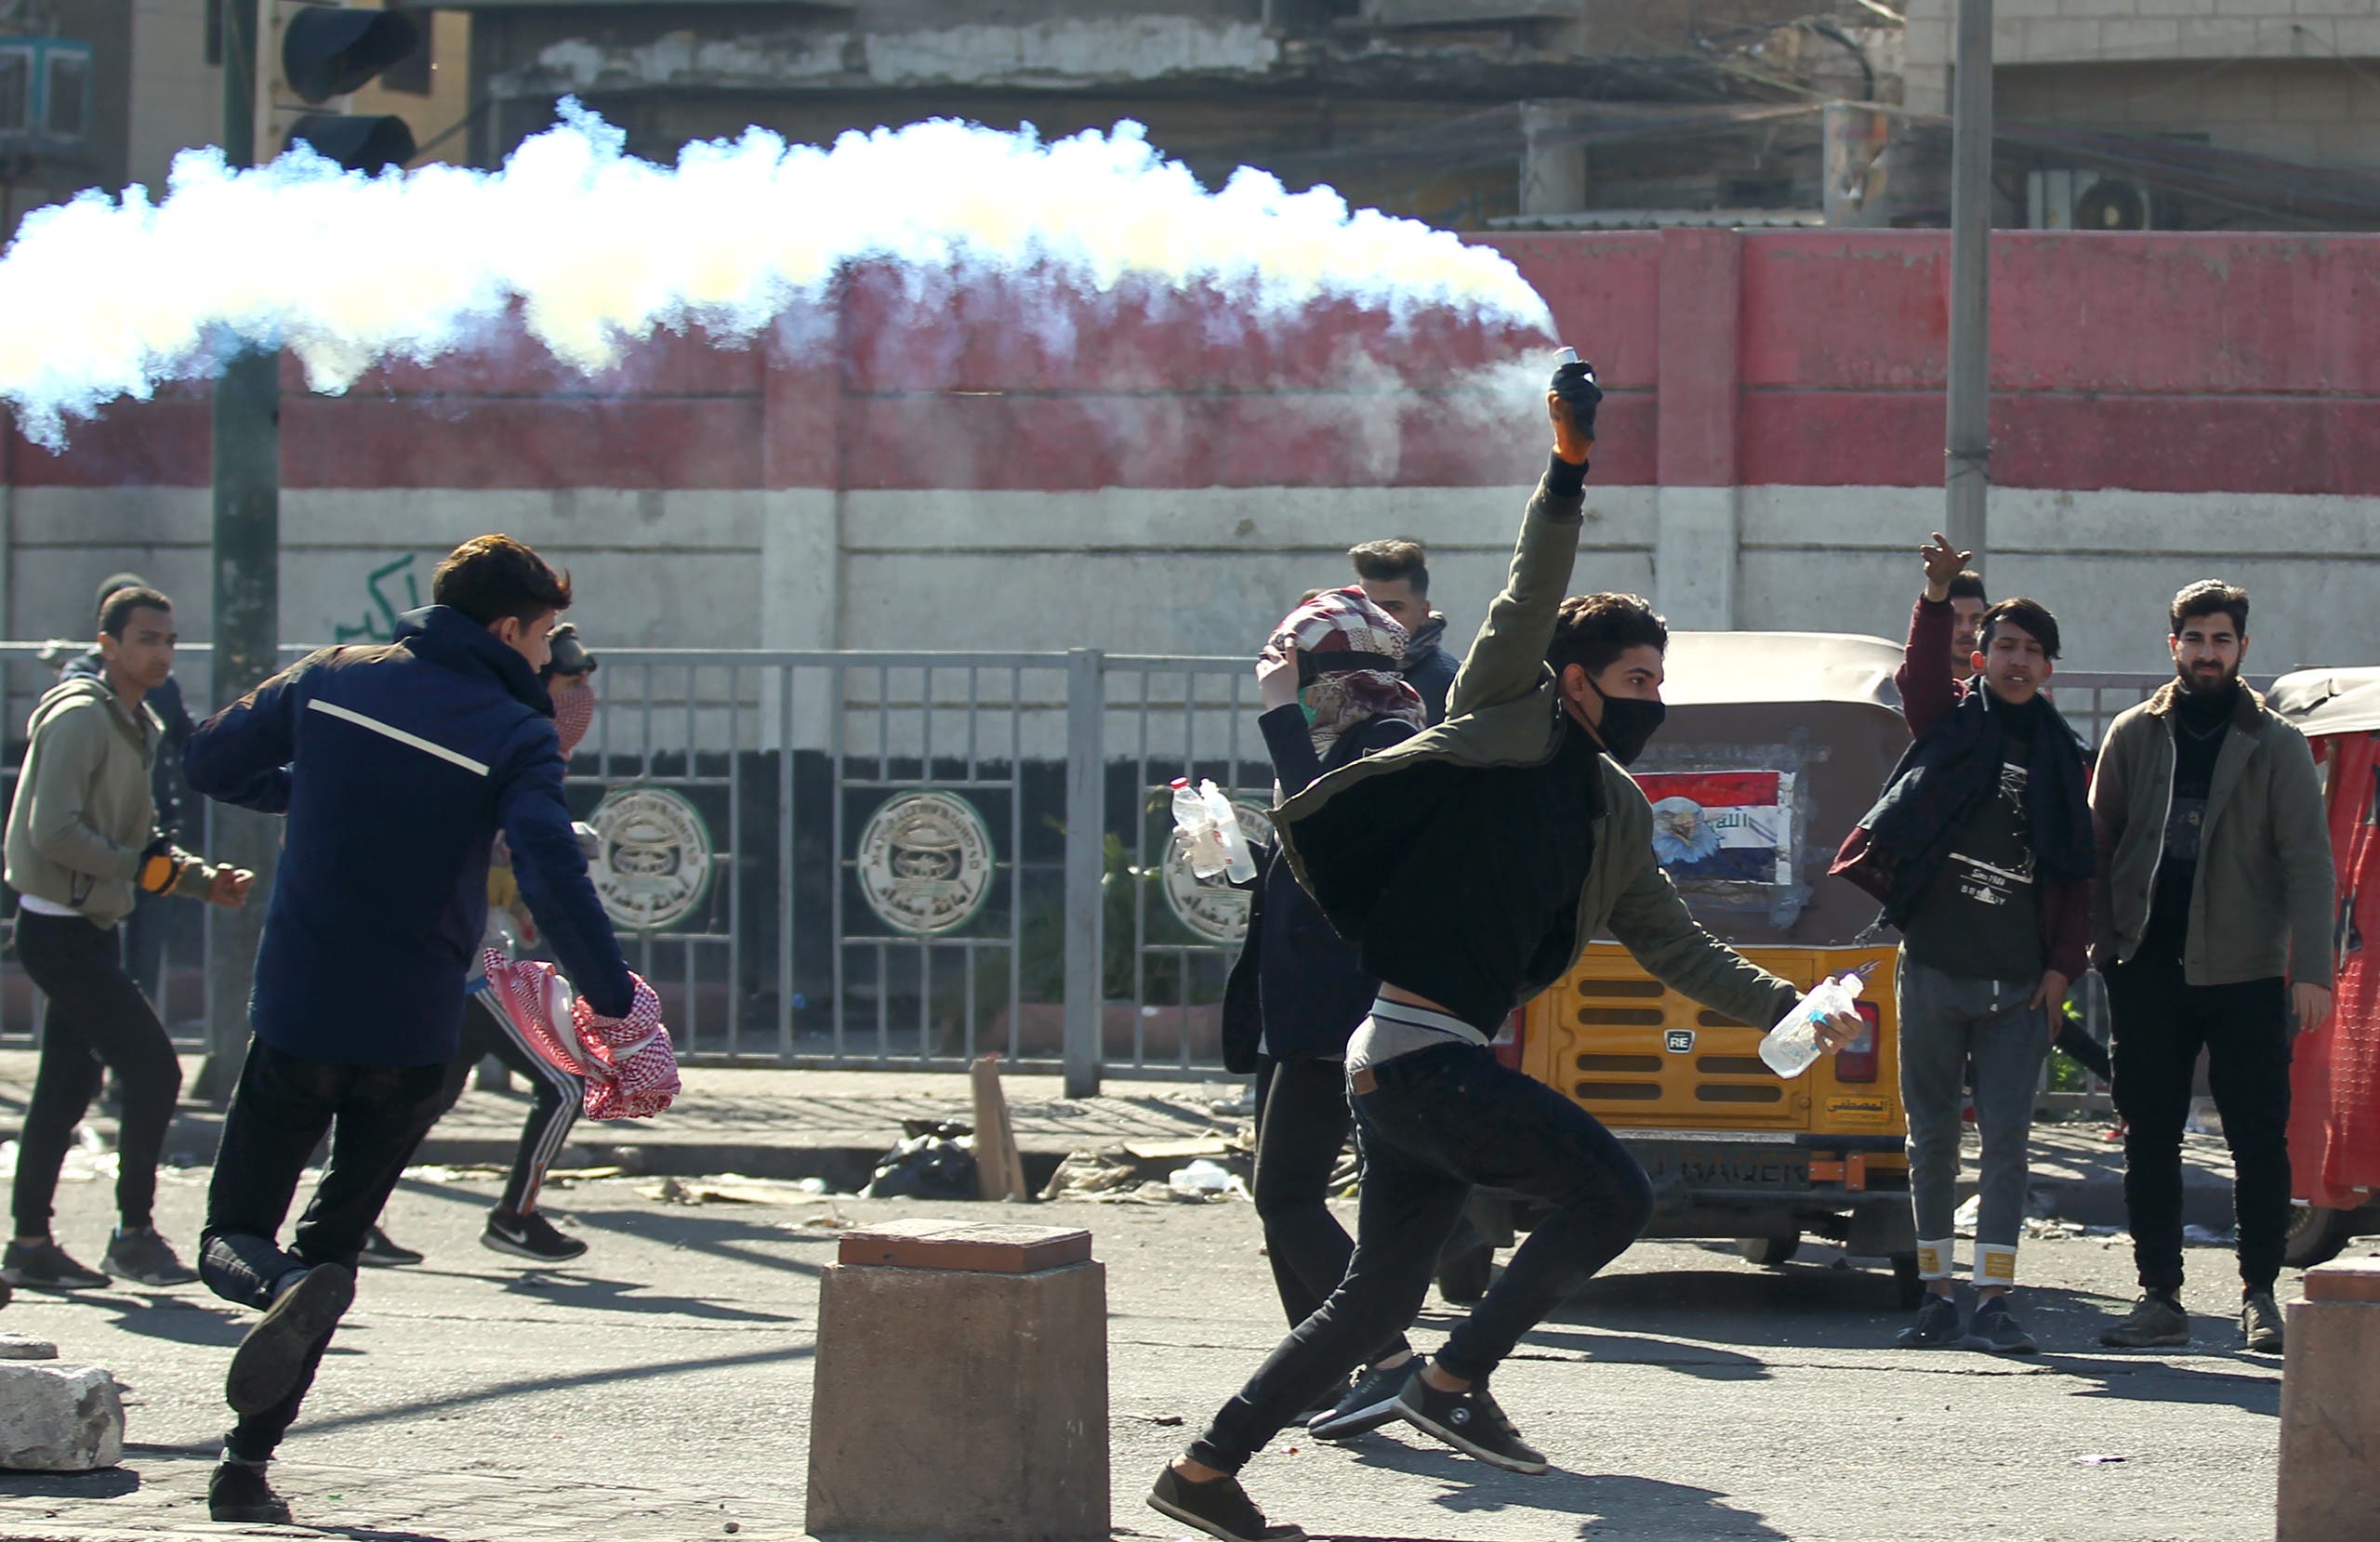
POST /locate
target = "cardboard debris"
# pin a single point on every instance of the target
(1093, 1175)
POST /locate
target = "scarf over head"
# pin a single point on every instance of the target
(1350, 653)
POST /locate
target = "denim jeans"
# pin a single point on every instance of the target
(375, 1116)
(2161, 1021)
(1944, 1021)
(1435, 1122)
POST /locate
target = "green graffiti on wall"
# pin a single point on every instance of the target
(386, 598)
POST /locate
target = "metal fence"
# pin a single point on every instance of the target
(879, 860)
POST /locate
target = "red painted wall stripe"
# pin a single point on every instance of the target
(2164, 362)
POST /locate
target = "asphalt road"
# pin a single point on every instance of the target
(661, 1388)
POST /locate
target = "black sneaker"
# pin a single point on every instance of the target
(1369, 1404)
(1219, 1507)
(380, 1251)
(2154, 1322)
(45, 1266)
(1469, 1421)
(144, 1258)
(2260, 1331)
(531, 1237)
(1995, 1328)
(269, 1361)
(239, 1494)
(1937, 1327)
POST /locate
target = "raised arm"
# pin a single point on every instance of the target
(1928, 688)
(1508, 656)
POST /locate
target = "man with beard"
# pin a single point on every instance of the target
(2212, 924)
(1395, 575)
(1980, 849)
(1469, 865)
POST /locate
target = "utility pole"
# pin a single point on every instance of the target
(247, 589)
(1966, 481)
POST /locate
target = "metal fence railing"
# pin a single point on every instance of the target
(887, 859)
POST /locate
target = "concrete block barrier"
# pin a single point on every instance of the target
(961, 1386)
(2330, 1408)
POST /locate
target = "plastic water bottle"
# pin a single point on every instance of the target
(1793, 1045)
(1202, 843)
(1240, 862)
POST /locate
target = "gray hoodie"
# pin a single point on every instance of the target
(83, 814)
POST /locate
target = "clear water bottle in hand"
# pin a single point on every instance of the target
(1201, 842)
(1793, 1045)
(1239, 864)
(1211, 839)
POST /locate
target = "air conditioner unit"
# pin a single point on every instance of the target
(2063, 199)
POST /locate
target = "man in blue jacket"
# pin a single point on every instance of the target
(396, 766)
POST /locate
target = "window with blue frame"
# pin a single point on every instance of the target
(45, 91)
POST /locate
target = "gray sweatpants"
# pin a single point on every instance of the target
(1944, 1021)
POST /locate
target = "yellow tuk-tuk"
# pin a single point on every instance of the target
(1775, 745)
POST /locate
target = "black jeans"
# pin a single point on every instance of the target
(96, 1016)
(557, 1096)
(1301, 1128)
(2161, 1024)
(375, 1116)
(1437, 1123)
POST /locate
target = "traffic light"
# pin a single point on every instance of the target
(319, 52)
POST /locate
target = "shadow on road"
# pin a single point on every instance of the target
(2162, 1381)
(1688, 1356)
(1796, 1307)
(1631, 1506)
(678, 1226)
(201, 1322)
(111, 1483)
(601, 1295)
(525, 1385)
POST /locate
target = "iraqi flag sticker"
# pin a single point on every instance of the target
(1723, 827)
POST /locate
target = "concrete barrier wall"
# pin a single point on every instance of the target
(1001, 470)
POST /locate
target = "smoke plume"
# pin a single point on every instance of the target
(593, 249)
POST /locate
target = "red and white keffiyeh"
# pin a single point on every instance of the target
(1351, 651)
(630, 1068)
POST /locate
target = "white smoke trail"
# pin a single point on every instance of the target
(106, 298)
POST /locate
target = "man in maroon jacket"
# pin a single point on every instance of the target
(1979, 848)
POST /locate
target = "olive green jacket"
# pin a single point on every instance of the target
(1342, 833)
(82, 811)
(2262, 904)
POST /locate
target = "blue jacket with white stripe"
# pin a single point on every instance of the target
(396, 766)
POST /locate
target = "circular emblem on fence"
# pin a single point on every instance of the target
(1214, 910)
(653, 866)
(925, 863)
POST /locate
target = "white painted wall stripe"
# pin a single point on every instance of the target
(348, 715)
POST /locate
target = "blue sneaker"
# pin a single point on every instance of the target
(1937, 1327)
(1995, 1329)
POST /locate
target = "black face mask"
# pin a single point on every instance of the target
(1629, 723)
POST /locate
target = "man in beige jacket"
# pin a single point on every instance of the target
(81, 843)
(2211, 923)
